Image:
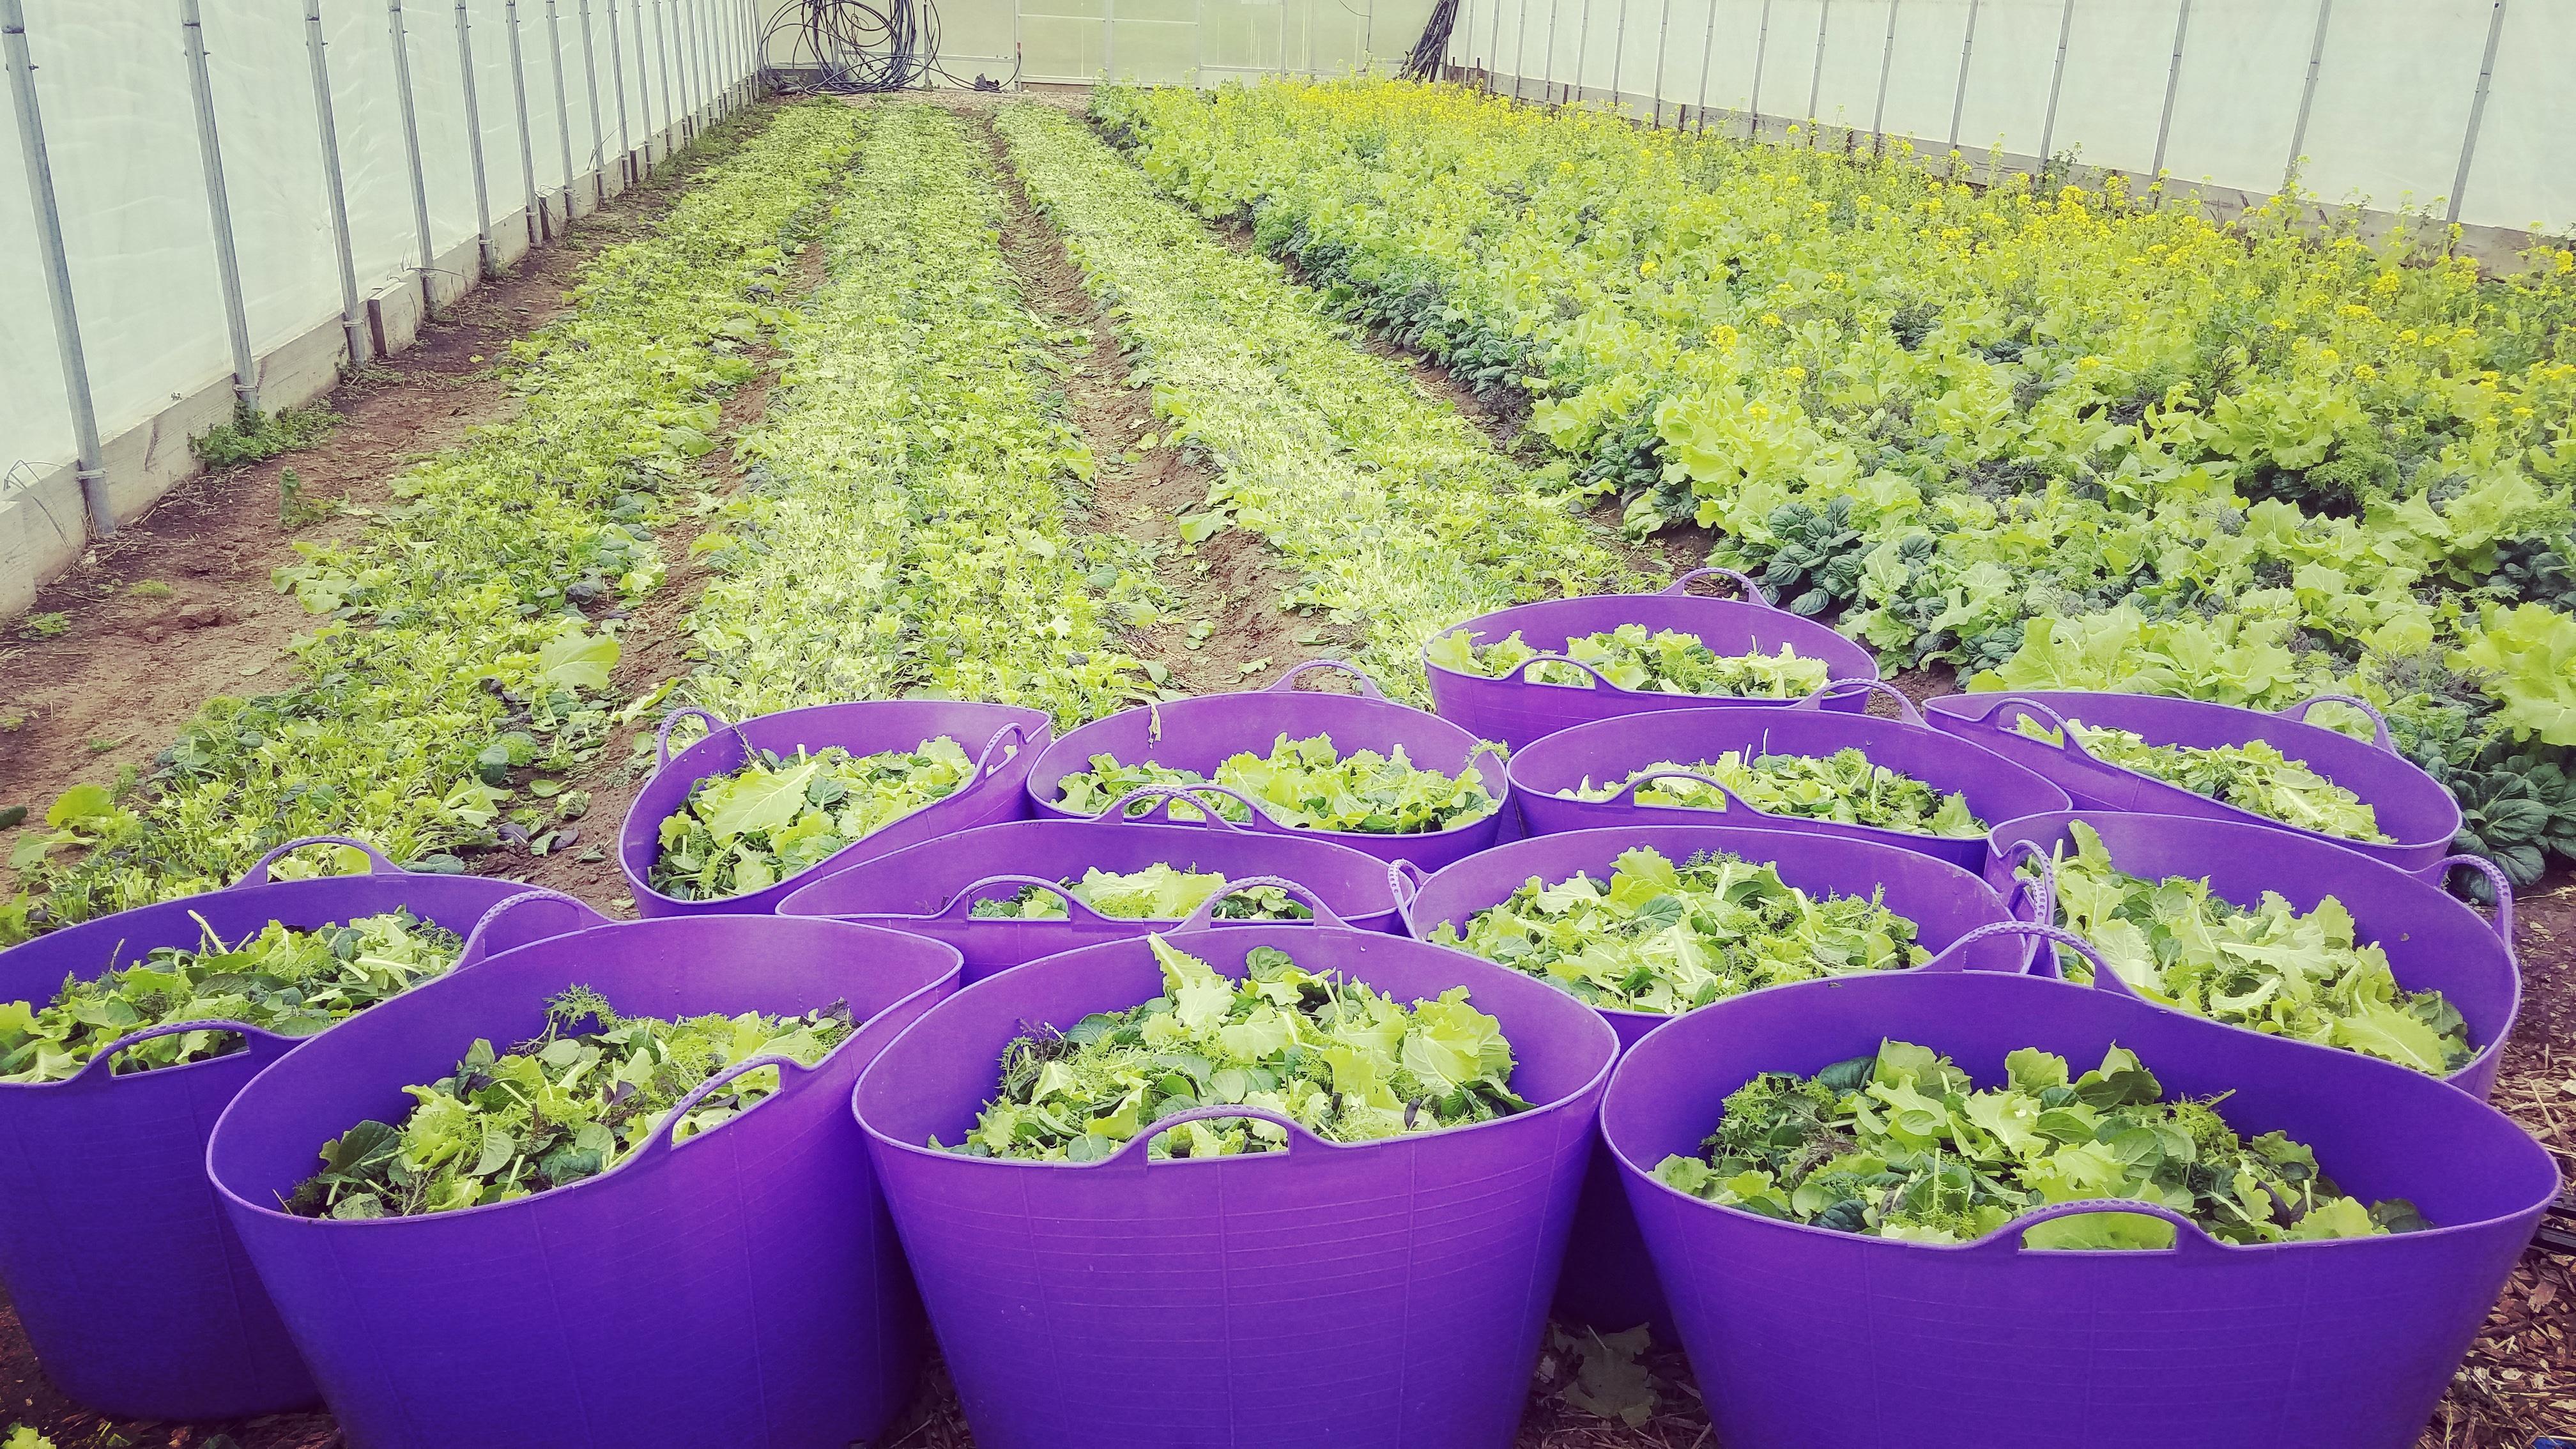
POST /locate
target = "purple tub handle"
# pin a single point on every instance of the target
(95, 1070)
(1166, 794)
(1520, 671)
(1404, 880)
(505, 927)
(1905, 709)
(2031, 930)
(258, 874)
(1131, 1154)
(996, 754)
(1628, 795)
(1204, 917)
(2503, 920)
(2035, 708)
(660, 1140)
(1288, 681)
(1752, 591)
(2378, 721)
(2041, 895)
(961, 906)
(713, 721)
(2189, 1236)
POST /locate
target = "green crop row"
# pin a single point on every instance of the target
(907, 526)
(2081, 439)
(1402, 517)
(471, 631)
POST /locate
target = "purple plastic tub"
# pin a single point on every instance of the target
(1518, 711)
(930, 889)
(742, 1287)
(1608, 1281)
(1200, 734)
(2413, 808)
(1806, 1338)
(1609, 750)
(135, 1294)
(2432, 939)
(1005, 740)
(1371, 1296)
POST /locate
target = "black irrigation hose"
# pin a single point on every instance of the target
(854, 47)
(1429, 54)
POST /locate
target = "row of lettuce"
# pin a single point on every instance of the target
(2086, 439)
(470, 635)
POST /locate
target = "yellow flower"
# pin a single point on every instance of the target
(1646, 268)
(2087, 363)
(2365, 372)
(2410, 336)
(2328, 354)
(1794, 373)
(1771, 319)
(1722, 334)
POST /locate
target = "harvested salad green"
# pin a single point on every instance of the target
(284, 980)
(1302, 783)
(566, 1105)
(1344, 1061)
(1904, 1145)
(1843, 786)
(2253, 776)
(778, 815)
(1666, 661)
(2272, 968)
(1159, 892)
(1657, 937)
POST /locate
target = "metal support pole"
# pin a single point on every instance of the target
(219, 207)
(1707, 43)
(617, 78)
(1959, 99)
(1663, 36)
(2307, 93)
(411, 145)
(538, 226)
(329, 131)
(706, 68)
(1547, 75)
(1886, 64)
(1761, 52)
(1583, 46)
(563, 101)
(1493, 45)
(1816, 78)
(1618, 56)
(2173, 83)
(662, 58)
(2477, 113)
(2056, 79)
(86, 466)
(644, 94)
(474, 144)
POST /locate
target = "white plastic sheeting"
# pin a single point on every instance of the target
(2396, 80)
(121, 132)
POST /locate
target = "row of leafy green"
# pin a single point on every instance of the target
(2080, 440)
(1664, 938)
(2271, 967)
(1666, 661)
(1846, 787)
(1905, 1145)
(1401, 516)
(571, 1103)
(1159, 892)
(287, 981)
(749, 829)
(906, 529)
(455, 641)
(1303, 783)
(2253, 776)
(1339, 1058)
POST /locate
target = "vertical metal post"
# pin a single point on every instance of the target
(330, 137)
(1816, 78)
(1761, 52)
(1663, 34)
(1547, 76)
(474, 144)
(563, 101)
(2173, 83)
(538, 226)
(219, 207)
(617, 78)
(644, 94)
(1618, 56)
(1886, 64)
(1959, 98)
(2056, 79)
(1493, 44)
(710, 89)
(411, 145)
(1707, 45)
(2307, 92)
(2477, 112)
(662, 63)
(86, 466)
(1520, 46)
(1582, 47)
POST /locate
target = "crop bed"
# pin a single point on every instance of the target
(2045, 463)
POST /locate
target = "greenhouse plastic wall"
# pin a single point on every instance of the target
(121, 129)
(2446, 107)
